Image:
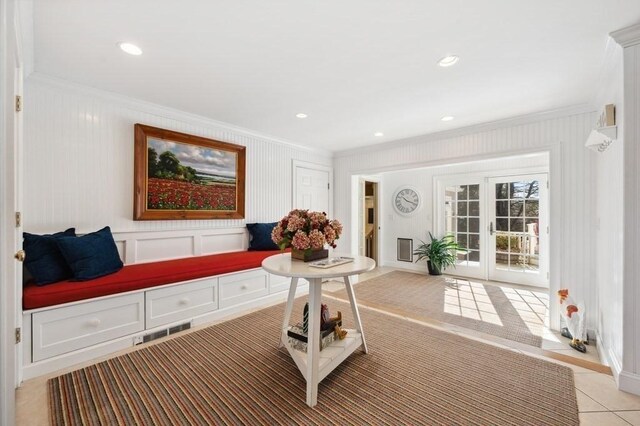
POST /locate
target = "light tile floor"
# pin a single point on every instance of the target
(599, 401)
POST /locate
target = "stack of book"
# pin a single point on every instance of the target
(298, 338)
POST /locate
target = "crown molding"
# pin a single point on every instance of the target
(475, 128)
(164, 111)
(627, 37)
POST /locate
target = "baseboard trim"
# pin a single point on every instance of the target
(629, 382)
(608, 357)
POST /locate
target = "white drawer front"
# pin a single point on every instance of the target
(62, 330)
(278, 283)
(243, 287)
(171, 304)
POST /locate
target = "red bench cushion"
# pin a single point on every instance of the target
(144, 275)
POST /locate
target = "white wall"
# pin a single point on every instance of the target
(609, 196)
(629, 39)
(418, 225)
(562, 133)
(79, 160)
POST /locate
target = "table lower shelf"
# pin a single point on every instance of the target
(328, 358)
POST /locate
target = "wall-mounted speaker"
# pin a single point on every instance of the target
(405, 249)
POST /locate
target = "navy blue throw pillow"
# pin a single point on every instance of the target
(261, 236)
(43, 259)
(92, 255)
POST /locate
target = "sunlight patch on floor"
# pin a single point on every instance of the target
(532, 307)
(470, 300)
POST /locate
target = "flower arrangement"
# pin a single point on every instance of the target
(305, 230)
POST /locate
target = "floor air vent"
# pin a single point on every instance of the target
(162, 333)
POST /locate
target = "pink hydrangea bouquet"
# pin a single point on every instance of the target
(305, 230)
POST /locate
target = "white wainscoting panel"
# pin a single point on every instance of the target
(140, 247)
(78, 155)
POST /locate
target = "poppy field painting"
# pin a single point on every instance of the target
(180, 176)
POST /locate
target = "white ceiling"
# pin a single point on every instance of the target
(355, 67)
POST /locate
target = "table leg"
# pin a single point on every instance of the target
(287, 311)
(313, 342)
(356, 314)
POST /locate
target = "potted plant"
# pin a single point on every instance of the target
(440, 253)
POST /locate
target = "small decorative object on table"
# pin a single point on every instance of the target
(306, 233)
(331, 262)
(330, 329)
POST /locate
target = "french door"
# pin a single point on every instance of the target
(502, 224)
(518, 249)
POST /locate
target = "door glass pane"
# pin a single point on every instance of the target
(474, 192)
(474, 242)
(502, 208)
(531, 208)
(474, 208)
(462, 208)
(517, 222)
(516, 208)
(474, 224)
(463, 192)
(502, 191)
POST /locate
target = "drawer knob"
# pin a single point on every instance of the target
(94, 322)
(184, 301)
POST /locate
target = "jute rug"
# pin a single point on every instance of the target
(234, 373)
(484, 308)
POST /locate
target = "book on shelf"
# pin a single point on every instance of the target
(330, 262)
(296, 331)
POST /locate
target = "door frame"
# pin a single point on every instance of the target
(359, 229)
(295, 165)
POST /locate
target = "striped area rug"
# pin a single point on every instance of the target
(234, 373)
(486, 308)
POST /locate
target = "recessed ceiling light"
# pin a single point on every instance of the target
(378, 134)
(129, 48)
(447, 118)
(447, 61)
(301, 115)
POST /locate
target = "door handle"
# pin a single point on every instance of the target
(20, 255)
(490, 228)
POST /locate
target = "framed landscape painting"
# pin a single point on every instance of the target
(180, 176)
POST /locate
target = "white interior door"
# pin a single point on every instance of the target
(518, 249)
(311, 187)
(10, 196)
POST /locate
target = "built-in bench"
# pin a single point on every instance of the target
(69, 322)
(142, 276)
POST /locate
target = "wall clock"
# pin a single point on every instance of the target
(406, 200)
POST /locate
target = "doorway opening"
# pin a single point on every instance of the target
(370, 220)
